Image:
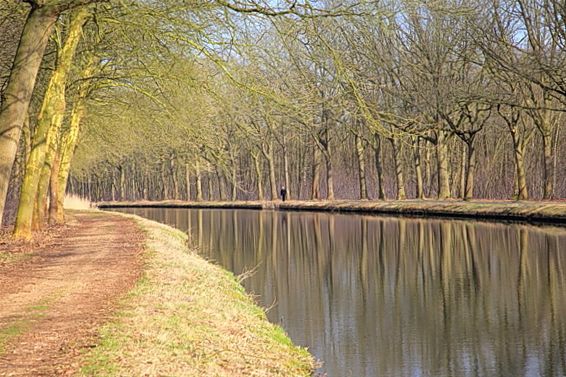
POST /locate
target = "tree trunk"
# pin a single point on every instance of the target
(272, 179)
(145, 187)
(113, 185)
(443, 171)
(428, 170)
(58, 104)
(378, 167)
(463, 172)
(555, 159)
(286, 171)
(315, 192)
(188, 181)
(470, 170)
(548, 166)
(19, 89)
(418, 168)
(198, 181)
(360, 154)
(89, 189)
(122, 191)
(164, 181)
(519, 155)
(329, 175)
(209, 185)
(70, 137)
(26, 130)
(219, 184)
(233, 178)
(399, 176)
(38, 172)
(174, 174)
(259, 175)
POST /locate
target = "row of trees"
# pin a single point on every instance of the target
(405, 99)
(402, 99)
(59, 57)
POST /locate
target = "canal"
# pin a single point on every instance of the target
(393, 296)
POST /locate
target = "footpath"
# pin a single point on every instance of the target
(53, 301)
(118, 295)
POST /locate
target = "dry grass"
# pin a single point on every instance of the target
(188, 317)
(76, 202)
(546, 211)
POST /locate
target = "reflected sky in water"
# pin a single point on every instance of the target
(387, 296)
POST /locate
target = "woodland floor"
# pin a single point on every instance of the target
(57, 291)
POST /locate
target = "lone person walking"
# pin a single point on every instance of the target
(283, 193)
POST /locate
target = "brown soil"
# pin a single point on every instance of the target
(52, 304)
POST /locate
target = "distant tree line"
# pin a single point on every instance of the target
(406, 100)
(230, 101)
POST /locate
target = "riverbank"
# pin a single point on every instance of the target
(116, 295)
(531, 211)
(192, 318)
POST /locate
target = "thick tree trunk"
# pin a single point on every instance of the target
(209, 185)
(113, 185)
(234, 178)
(470, 170)
(175, 176)
(219, 184)
(122, 190)
(145, 187)
(548, 166)
(463, 172)
(259, 176)
(555, 159)
(315, 192)
(399, 176)
(428, 171)
(286, 171)
(443, 170)
(519, 156)
(418, 168)
(329, 176)
(26, 130)
(19, 89)
(188, 181)
(38, 171)
(360, 154)
(164, 183)
(89, 188)
(378, 167)
(70, 137)
(272, 179)
(59, 105)
(198, 181)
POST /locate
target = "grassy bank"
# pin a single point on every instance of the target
(187, 317)
(536, 211)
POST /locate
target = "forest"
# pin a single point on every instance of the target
(229, 100)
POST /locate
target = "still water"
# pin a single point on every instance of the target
(388, 296)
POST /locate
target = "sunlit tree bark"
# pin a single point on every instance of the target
(33, 196)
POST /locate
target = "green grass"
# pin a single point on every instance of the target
(20, 326)
(191, 318)
(10, 332)
(9, 258)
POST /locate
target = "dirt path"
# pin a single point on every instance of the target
(52, 305)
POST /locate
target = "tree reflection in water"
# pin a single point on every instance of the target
(380, 296)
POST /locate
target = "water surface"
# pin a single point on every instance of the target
(389, 296)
